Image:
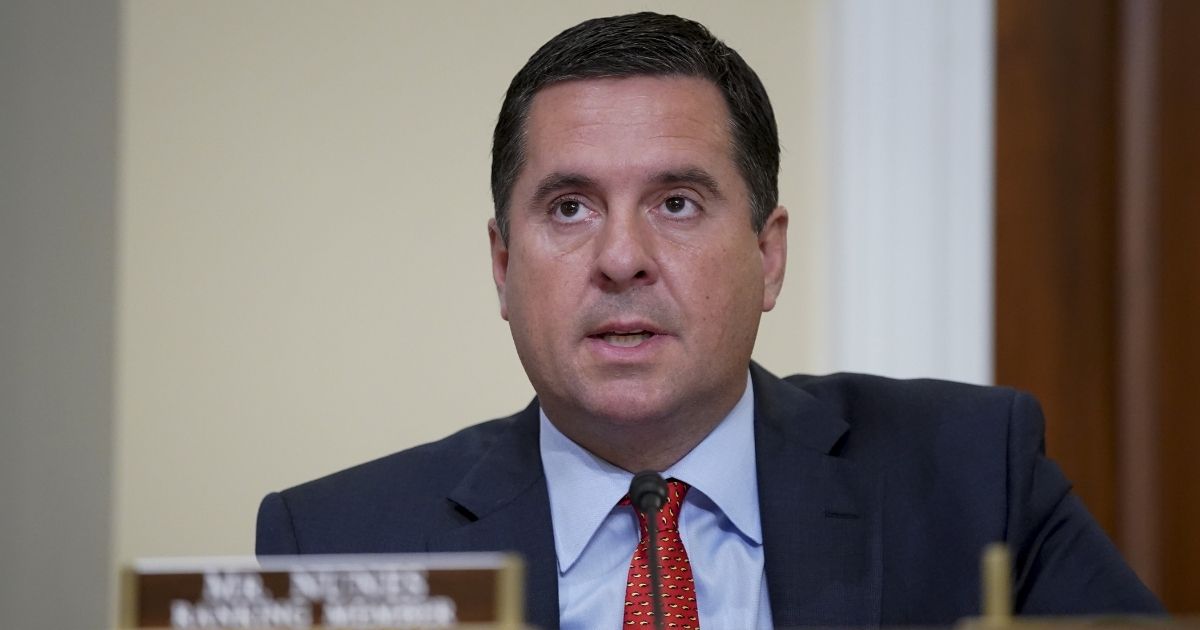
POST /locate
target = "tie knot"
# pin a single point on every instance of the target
(668, 515)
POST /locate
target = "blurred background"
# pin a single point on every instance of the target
(243, 245)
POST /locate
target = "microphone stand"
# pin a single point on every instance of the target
(655, 571)
(648, 493)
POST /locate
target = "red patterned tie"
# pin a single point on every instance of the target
(678, 591)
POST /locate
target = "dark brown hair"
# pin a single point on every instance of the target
(644, 44)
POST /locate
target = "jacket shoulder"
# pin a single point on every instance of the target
(866, 393)
(865, 400)
(894, 421)
(446, 457)
(387, 505)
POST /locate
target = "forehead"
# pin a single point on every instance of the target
(629, 124)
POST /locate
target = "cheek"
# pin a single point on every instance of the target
(731, 281)
(538, 293)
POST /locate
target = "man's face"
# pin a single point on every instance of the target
(632, 278)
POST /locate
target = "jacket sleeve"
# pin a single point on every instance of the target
(1063, 562)
(275, 534)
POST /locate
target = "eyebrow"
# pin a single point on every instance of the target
(693, 176)
(555, 182)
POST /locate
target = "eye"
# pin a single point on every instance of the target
(679, 207)
(569, 210)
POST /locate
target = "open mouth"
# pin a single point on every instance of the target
(630, 339)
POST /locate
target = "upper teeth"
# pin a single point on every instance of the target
(628, 340)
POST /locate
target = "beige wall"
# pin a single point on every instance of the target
(303, 277)
(243, 245)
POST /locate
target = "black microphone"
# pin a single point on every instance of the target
(648, 493)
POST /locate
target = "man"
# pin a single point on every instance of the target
(636, 242)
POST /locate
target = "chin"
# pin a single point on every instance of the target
(630, 408)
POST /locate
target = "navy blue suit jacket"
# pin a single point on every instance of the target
(877, 497)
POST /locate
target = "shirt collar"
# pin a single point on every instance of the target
(723, 467)
(584, 489)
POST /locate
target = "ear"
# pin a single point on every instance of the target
(499, 264)
(772, 244)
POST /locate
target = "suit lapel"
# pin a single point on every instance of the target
(505, 496)
(820, 514)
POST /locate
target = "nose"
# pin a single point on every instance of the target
(625, 256)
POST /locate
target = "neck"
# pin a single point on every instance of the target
(642, 444)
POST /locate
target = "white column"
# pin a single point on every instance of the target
(911, 192)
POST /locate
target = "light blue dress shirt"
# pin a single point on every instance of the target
(719, 525)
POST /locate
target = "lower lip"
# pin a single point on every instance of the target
(626, 354)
